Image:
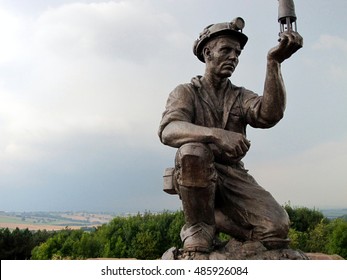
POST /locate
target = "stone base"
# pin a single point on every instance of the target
(235, 250)
(321, 256)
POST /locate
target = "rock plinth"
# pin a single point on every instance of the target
(236, 250)
(321, 256)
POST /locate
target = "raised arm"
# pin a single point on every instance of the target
(274, 96)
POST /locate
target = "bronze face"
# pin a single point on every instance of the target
(222, 56)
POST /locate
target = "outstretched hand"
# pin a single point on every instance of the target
(289, 43)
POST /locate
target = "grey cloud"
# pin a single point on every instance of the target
(115, 30)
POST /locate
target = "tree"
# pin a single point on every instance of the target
(173, 232)
(337, 241)
(16, 245)
(61, 245)
(303, 218)
(6, 244)
(298, 239)
(317, 238)
(88, 246)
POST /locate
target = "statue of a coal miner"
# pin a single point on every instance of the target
(206, 120)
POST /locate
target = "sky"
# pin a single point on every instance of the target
(83, 85)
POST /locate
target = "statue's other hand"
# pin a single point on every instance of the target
(233, 144)
(289, 43)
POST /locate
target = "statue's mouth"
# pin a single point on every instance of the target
(229, 67)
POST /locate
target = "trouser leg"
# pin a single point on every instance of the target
(249, 212)
(196, 176)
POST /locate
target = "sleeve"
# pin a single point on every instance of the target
(179, 107)
(252, 105)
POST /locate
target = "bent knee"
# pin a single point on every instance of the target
(277, 227)
(194, 165)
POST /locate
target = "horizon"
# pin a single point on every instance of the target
(146, 211)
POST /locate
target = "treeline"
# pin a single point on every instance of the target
(18, 244)
(148, 236)
(144, 236)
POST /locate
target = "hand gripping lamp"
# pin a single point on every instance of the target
(286, 15)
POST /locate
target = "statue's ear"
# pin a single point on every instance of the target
(206, 52)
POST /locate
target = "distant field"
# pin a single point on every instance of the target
(76, 220)
(334, 213)
(35, 227)
(6, 219)
(52, 220)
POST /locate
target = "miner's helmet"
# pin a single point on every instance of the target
(233, 29)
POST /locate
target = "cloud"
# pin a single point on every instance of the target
(89, 67)
(78, 114)
(328, 42)
(10, 33)
(117, 30)
(312, 178)
(336, 47)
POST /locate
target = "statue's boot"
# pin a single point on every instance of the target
(198, 205)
